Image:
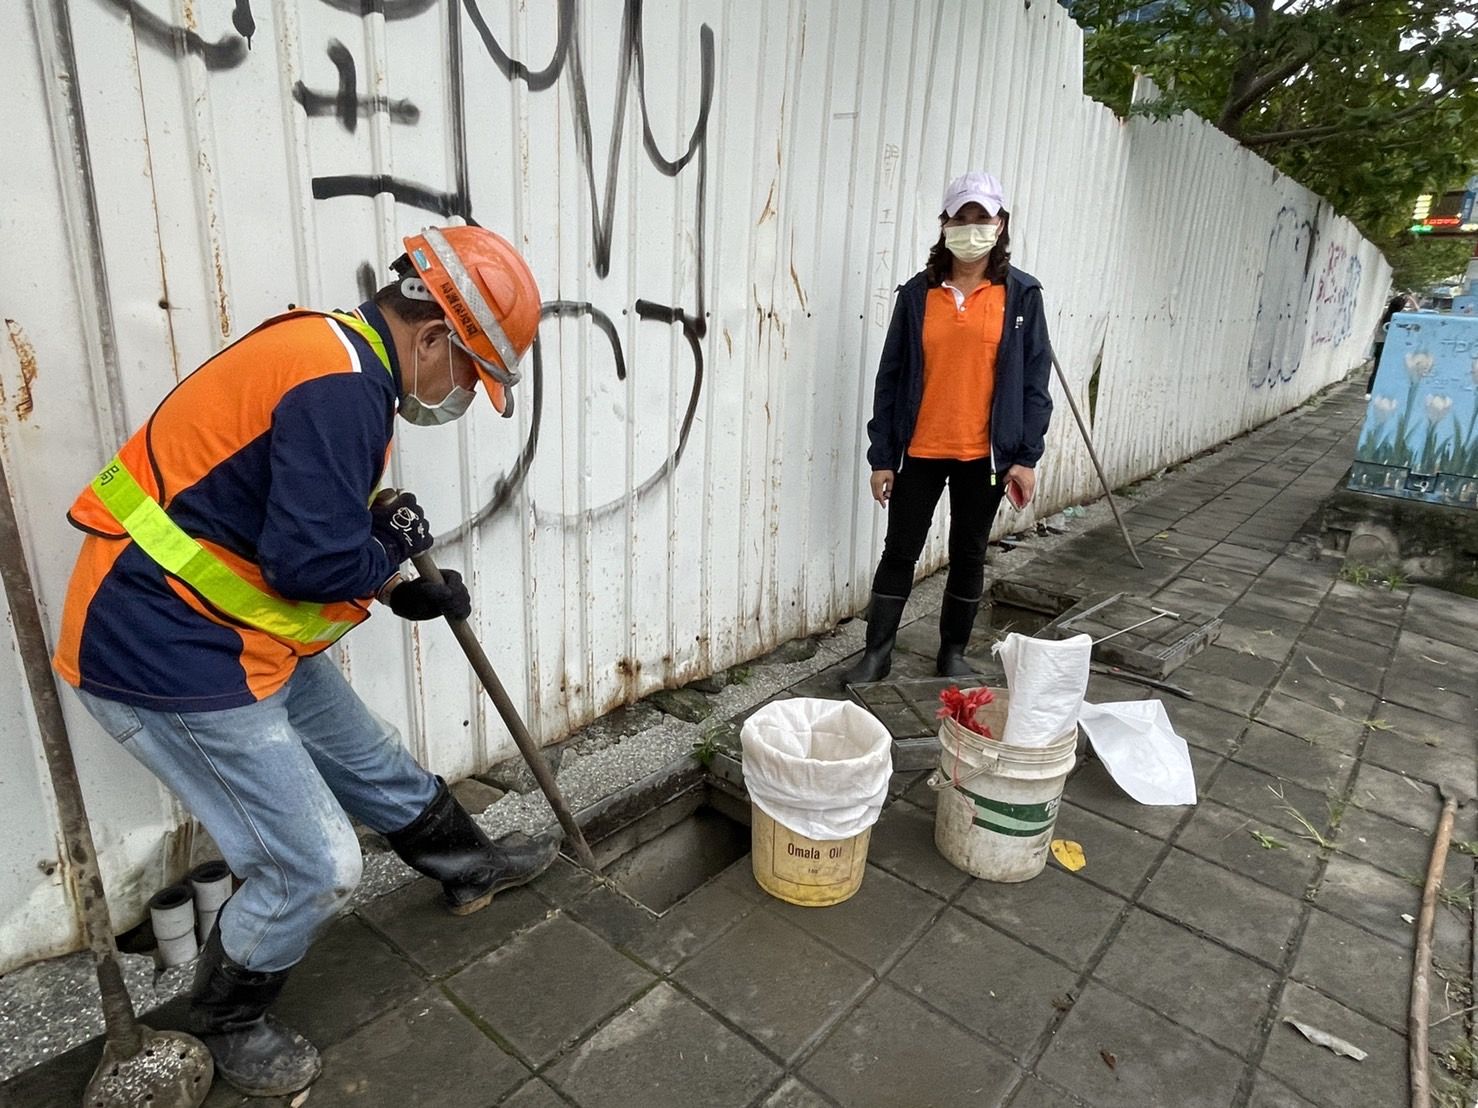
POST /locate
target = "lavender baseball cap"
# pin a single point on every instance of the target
(981, 188)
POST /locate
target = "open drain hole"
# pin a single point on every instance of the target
(1001, 618)
(688, 842)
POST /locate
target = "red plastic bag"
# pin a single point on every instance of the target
(962, 706)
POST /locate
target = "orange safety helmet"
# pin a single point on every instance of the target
(488, 294)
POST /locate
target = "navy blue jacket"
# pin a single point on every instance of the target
(1020, 406)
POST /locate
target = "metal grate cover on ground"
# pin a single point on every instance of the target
(906, 708)
(1145, 639)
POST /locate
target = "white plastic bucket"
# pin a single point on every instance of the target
(997, 802)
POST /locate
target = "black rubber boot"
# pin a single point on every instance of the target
(883, 616)
(956, 618)
(443, 842)
(255, 1053)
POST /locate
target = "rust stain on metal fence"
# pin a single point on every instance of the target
(25, 354)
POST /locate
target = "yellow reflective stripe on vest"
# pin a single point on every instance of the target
(366, 332)
(158, 536)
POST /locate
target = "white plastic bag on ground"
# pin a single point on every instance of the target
(1047, 679)
(818, 767)
(1138, 746)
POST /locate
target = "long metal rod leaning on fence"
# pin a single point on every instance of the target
(1092, 453)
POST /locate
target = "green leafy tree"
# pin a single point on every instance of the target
(1418, 262)
(1367, 102)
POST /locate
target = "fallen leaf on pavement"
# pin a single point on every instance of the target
(1069, 854)
(1108, 1059)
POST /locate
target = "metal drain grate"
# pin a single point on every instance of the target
(906, 708)
(1154, 648)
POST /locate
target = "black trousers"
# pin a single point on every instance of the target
(973, 500)
(1374, 365)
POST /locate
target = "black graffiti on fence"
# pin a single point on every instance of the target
(346, 103)
(566, 58)
(693, 332)
(244, 22)
(409, 193)
(160, 34)
(508, 485)
(390, 9)
(1282, 306)
(364, 277)
(632, 54)
(511, 69)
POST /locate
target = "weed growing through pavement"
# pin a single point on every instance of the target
(1364, 576)
(1459, 898)
(711, 743)
(1266, 841)
(1462, 1065)
(1313, 834)
(1457, 984)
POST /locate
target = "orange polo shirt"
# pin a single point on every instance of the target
(960, 342)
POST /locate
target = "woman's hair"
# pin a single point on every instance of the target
(939, 263)
(391, 299)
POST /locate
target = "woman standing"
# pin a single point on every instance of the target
(1402, 302)
(960, 400)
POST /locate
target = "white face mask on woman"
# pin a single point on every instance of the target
(971, 242)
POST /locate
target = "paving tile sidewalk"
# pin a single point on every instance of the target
(1325, 719)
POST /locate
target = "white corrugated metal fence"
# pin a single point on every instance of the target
(718, 200)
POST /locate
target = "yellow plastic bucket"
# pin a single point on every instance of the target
(803, 871)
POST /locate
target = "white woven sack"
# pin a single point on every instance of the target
(817, 767)
(1047, 679)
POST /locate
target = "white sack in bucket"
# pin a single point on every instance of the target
(1141, 751)
(817, 767)
(1047, 679)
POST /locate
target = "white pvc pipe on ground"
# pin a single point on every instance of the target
(211, 882)
(173, 913)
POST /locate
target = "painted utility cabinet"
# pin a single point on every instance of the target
(1420, 438)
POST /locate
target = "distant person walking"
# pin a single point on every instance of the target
(960, 400)
(1405, 302)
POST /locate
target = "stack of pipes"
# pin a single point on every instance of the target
(184, 914)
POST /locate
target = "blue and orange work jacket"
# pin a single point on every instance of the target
(264, 461)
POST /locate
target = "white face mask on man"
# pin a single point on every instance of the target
(451, 406)
(971, 242)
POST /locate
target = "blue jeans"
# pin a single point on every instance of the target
(272, 783)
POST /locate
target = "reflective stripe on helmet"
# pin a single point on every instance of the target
(482, 312)
(158, 536)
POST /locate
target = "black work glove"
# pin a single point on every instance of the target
(422, 599)
(399, 525)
